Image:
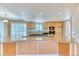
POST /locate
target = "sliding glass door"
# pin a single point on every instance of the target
(18, 31)
(39, 27)
(1, 31)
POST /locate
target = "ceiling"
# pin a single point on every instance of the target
(35, 11)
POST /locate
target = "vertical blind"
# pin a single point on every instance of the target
(18, 31)
(39, 27)
(1, 31)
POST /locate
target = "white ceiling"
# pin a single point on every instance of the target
(36, 12)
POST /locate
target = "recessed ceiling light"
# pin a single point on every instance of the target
(41, 13)
(59, 13)
(5, 21)
(22, 13)
(5, 15)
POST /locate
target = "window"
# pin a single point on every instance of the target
(18, 31)
(39, 26)
(1, 31)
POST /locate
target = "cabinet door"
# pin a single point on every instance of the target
(58, 33)
(45, 25)
(63, 49)
(59, 24)
(30, 25)
(9, 49)
(27, 47)
(47, 47)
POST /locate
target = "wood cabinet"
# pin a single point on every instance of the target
(27, 47)
(59, 33)
(30, 25)
(55, 24)
(9, 49)
(58, 29)
(63, 49)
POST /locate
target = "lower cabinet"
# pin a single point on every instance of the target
(47, 47)
(37, 47)
(9, 49)
(63, 49)
(27, 48)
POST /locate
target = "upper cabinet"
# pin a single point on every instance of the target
(30, 25)
(55, 24)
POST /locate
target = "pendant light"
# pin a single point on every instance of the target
(5, 21)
